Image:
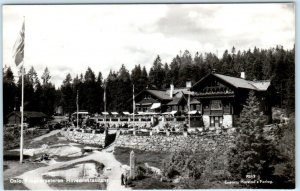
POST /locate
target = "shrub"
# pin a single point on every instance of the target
(286, 147)
(140, 173)
(186, 164)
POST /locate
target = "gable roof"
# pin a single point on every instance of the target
(148, 101)
(159, 94)
(180, 92)
(175, 101)
(240, 82)
(236, 82)
(262, 85)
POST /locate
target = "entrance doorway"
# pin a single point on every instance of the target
(216, 121)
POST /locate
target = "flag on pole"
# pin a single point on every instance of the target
(18, 49)
(18, 56)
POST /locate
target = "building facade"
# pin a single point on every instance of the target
(31, 117)
(217, 98)
(173, 100)
(222, 98)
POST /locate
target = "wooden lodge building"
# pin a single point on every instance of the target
(222, 98)
(172, 101)
(218, 98)
(31, 117)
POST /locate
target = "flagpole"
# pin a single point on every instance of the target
(189, 100)
(19, 58)
(22, 116)
(133, 104)
(22, 99)
(77, 105)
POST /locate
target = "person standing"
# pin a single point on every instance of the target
(122, 179)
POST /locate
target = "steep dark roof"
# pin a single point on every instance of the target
(175, 101)
(29, 114)
(179, 92)
(147, 101)
(160, 94)
(240, 82)
(236, 82)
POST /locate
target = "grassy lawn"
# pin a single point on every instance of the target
(51, 140)
(11, 138)
(152, 158)
(13, 169)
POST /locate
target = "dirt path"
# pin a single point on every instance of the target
(113, 172)
(46, 135)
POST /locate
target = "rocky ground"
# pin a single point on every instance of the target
(66, 161)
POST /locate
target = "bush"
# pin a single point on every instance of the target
(11, 136)
(185, 164)
(286, 147)
(171, 172)
(140, 173)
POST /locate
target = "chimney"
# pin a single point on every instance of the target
(188, 84)
(171, 90)
(243, 75)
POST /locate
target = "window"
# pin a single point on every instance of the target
(216, 105)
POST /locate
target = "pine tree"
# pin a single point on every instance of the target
(186, 69)
(67, 95)
(46, 76)
(100, 92)
(252, 153)
(9, 92)
(48, 97)
(174, 70)
(157, 74)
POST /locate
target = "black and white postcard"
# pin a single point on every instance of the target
(149, 96)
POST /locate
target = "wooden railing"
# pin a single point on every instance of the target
(226, 110)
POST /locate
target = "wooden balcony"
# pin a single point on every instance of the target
(216, 112)
(223, 111)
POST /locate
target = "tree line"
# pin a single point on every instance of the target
(276, 64)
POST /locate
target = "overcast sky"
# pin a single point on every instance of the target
(69, 38)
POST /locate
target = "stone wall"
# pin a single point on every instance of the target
(157, 142)
(85, 138)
